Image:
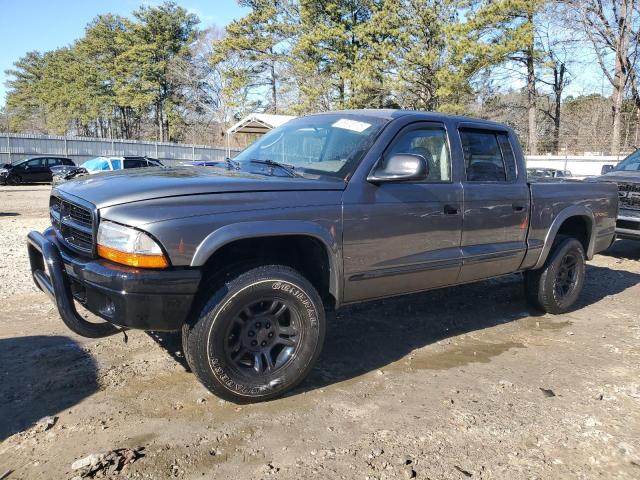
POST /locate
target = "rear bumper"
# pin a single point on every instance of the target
(628, 224)
(124, 296)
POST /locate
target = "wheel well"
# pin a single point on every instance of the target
(304, 253)
(578, 228)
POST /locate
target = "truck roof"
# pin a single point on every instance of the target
(391, 113)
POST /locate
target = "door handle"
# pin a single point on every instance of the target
(517, 207)
(450, 210)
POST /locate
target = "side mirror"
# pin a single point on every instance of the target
(401, 167)
(606, 169)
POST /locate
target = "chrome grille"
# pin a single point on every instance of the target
(629, 194)
(73, 224)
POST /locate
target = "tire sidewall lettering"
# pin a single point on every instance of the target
(299, 294)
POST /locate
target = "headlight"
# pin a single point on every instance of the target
(3, 171)
(128, 246)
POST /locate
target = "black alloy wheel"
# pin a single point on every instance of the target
(566, 275)
(263, 337)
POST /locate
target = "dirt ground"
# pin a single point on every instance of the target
(465, 382)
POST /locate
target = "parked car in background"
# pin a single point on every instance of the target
(203, 163)
(37, 169)
(547, 173)
(323, 211)
(101, 164)
(627, 175)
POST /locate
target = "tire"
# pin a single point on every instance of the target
(258, 334)
(13, 180)
(556, 286)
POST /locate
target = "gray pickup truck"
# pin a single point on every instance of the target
(324, 211)
(627, 175)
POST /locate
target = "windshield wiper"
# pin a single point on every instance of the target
(272, 163)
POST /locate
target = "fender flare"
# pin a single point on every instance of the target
(275, 228)
(569, 212)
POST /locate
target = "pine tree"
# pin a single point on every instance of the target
(422, 55)
(334, 55)
(160, 34)
(497, 33)
(24, 99)
(257, 45)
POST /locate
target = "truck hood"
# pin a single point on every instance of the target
(622, 176)
(127, 186)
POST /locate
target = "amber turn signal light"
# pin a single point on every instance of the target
(132, 259)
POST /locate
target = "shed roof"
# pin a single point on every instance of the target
(259, 123)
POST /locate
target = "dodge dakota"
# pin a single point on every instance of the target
(324, 211)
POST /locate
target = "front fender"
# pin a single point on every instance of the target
(272, 228)
(572, 211)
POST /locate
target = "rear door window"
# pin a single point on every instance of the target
(488, 156)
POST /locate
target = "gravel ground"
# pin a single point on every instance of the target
(21, 209)
(459, 383)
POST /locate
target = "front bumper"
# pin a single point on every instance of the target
(628, 224)
(123, 296)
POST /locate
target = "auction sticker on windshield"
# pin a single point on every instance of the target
(353, 125)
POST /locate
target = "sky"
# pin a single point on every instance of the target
(44, 25)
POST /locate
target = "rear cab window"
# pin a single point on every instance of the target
(488, 156)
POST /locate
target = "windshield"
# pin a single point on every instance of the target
(323, 145)
(632, 162)
(96, 164)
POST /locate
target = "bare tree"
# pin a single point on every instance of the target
(612, 28)
(557, 45)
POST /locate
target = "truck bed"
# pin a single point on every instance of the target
(553, 201)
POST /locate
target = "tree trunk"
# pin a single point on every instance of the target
(274, 91)
(556, 125)
(616, 107)
(620, 77)
(158, 121)
(558, 87)
(532, 145)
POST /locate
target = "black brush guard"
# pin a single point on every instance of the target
(53, 280)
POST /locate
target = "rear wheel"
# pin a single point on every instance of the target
(258, 335)
(557, 285)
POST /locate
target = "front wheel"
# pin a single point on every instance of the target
(13, 180)
(258, 335)
(555, 287)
